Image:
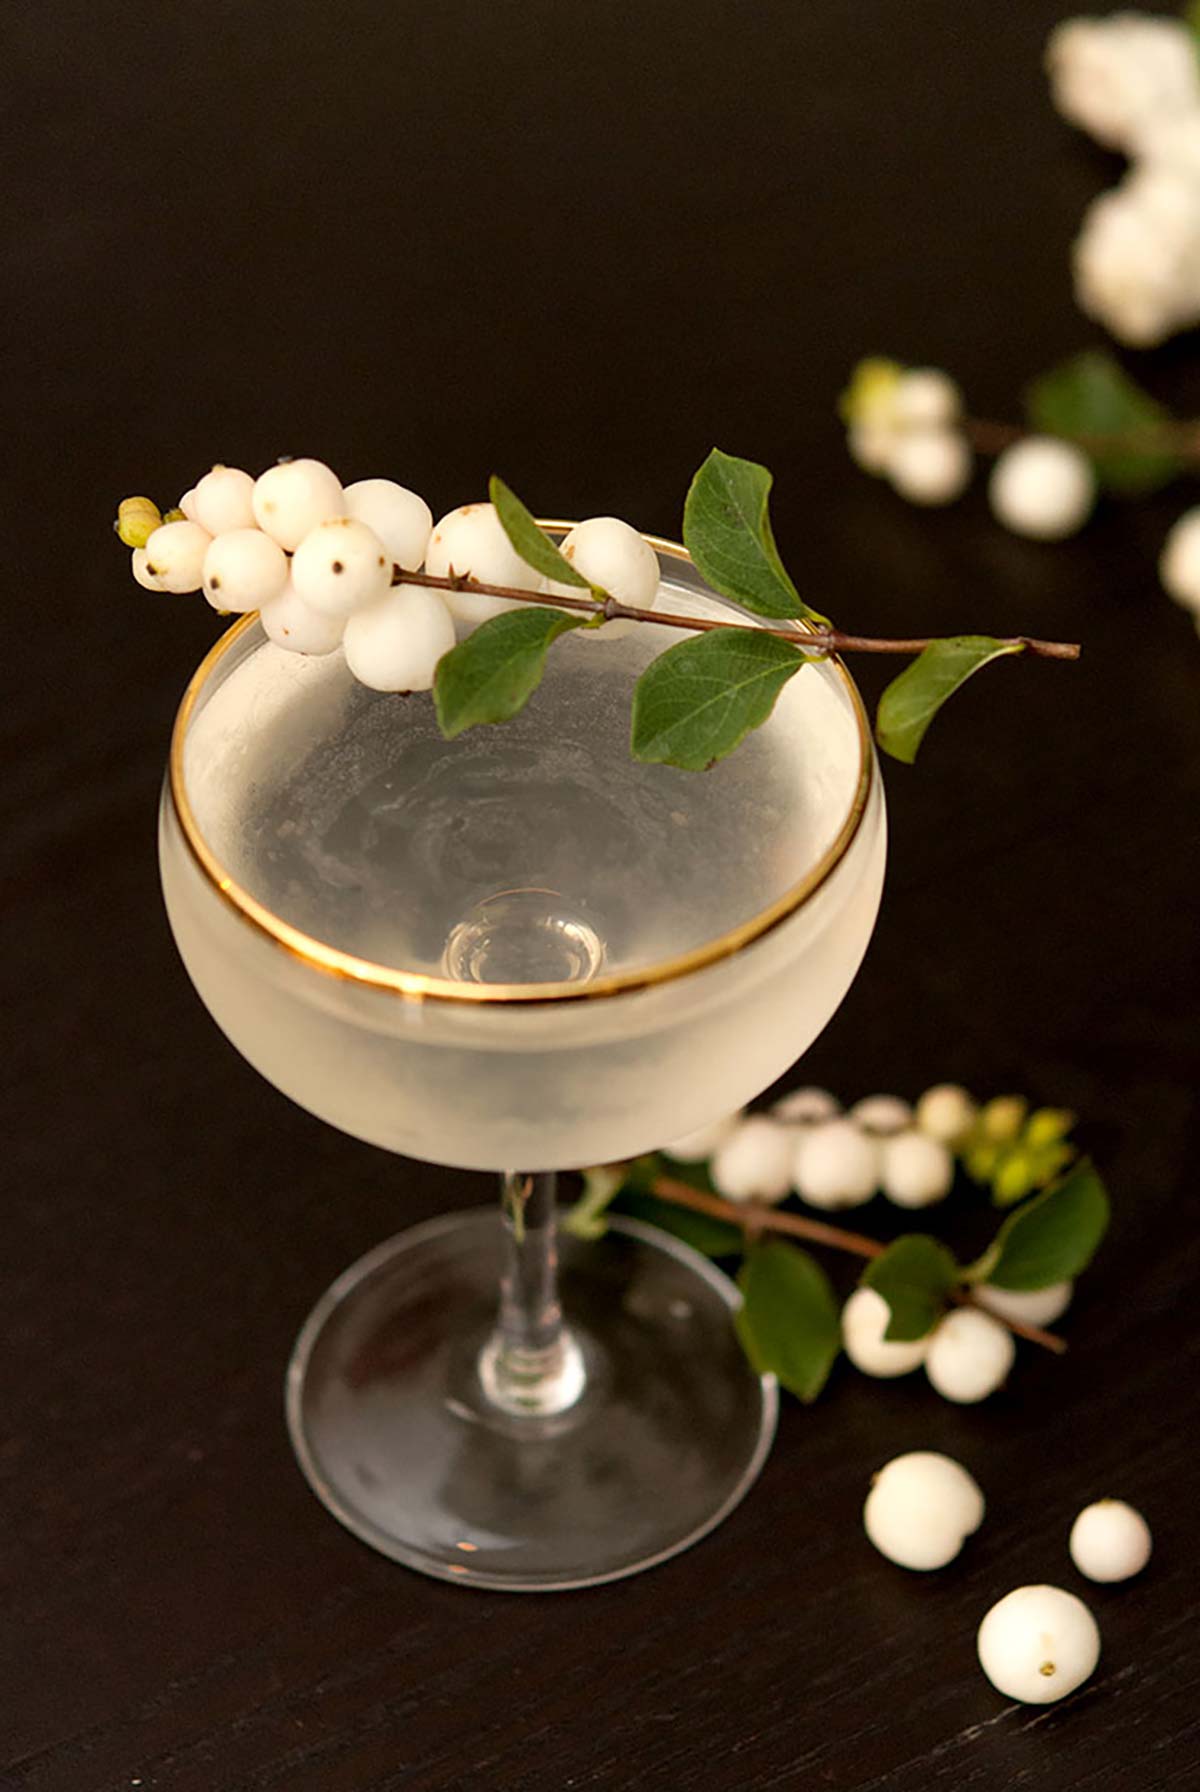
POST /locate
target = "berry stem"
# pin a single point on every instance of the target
(818, 641)
(754, 1219)
(1182, 439)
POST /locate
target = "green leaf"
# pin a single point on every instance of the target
(491, 675)
(1092, 395)
(532, 543)
(914, 1276)
(1052, 1238)
(727, 531)
(788, 1322)
(712, 1238)
(588, 1218)
(696, 702)
(910, 702)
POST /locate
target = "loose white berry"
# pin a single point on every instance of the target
(926, 398)
(471, 540)
(915, 1170)
(293, 497)
(1179, 564)
(188, 505)
(1110, 1541)
(755, 1162)
(806, 1107)
(340, 567)
(930, 466)
(243, 570)
(1043, 488)
(881, 1114)
(865, 1318)
(610, 553)
(1036, 1306)
(946, 1112)
(1136, 259)
(224, 499)
(395, 645)
(1037, 1644)
(871, 446)
(921, 1509)
(402, 520)
(175, 555)
(147, 580)
(694, 1147)
(969, 1355)
(290, 623)
(836, 1165)
(1115, 75)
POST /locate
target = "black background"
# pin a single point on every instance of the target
(577, 245)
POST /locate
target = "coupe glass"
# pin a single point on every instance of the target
(519, 948)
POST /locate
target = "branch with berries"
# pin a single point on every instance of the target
(470, 607)
(731, 1190)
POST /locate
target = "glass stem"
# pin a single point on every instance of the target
(531, 1364)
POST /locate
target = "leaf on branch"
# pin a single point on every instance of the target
(588, 1218)
(532, 543)
(711, 1237)
(914, 1276)
(1052, 1238)
(727, 531)
(911, 701)
(491, 675)
(788, 1322)
(696, 702)
(1092, 395)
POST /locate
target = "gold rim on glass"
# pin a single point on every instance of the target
(415, 986)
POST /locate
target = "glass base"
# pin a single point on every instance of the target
(391, 1426)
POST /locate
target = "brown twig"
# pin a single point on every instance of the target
(818, 641)
(1180, 439)
(755, 1219)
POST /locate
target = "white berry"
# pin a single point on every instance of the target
(188, 505)
(1035, 1306)
(471, 540)
(402, 520)
(340, 567)
(1110, 1541)
(609, 553)
(395, 645)
(805, 1107)
(224, 499)
(865, 1318)
(921, 1509)
(946, 1113)
(693, 1147)
(969, 1355)
(175, 556)
(293, 497)
(836, 1165)
(290, 623)
(930, 466)
(147, 580)
(755, 1162)
(1179, 563)
(925, 397)
(243, 570)
(881, 1114)
(1043, 488)
(1037, 1644)
(915, 1170)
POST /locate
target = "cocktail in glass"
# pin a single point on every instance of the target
(519, 948)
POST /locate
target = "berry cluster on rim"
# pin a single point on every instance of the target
(324, 564)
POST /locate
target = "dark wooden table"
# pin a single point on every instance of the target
(577, 245)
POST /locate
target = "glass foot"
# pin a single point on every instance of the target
(390, 1423)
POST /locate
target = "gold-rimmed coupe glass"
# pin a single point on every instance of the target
(519, 948)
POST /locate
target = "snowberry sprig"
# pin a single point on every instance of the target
(915, 1306)
(470, 606)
